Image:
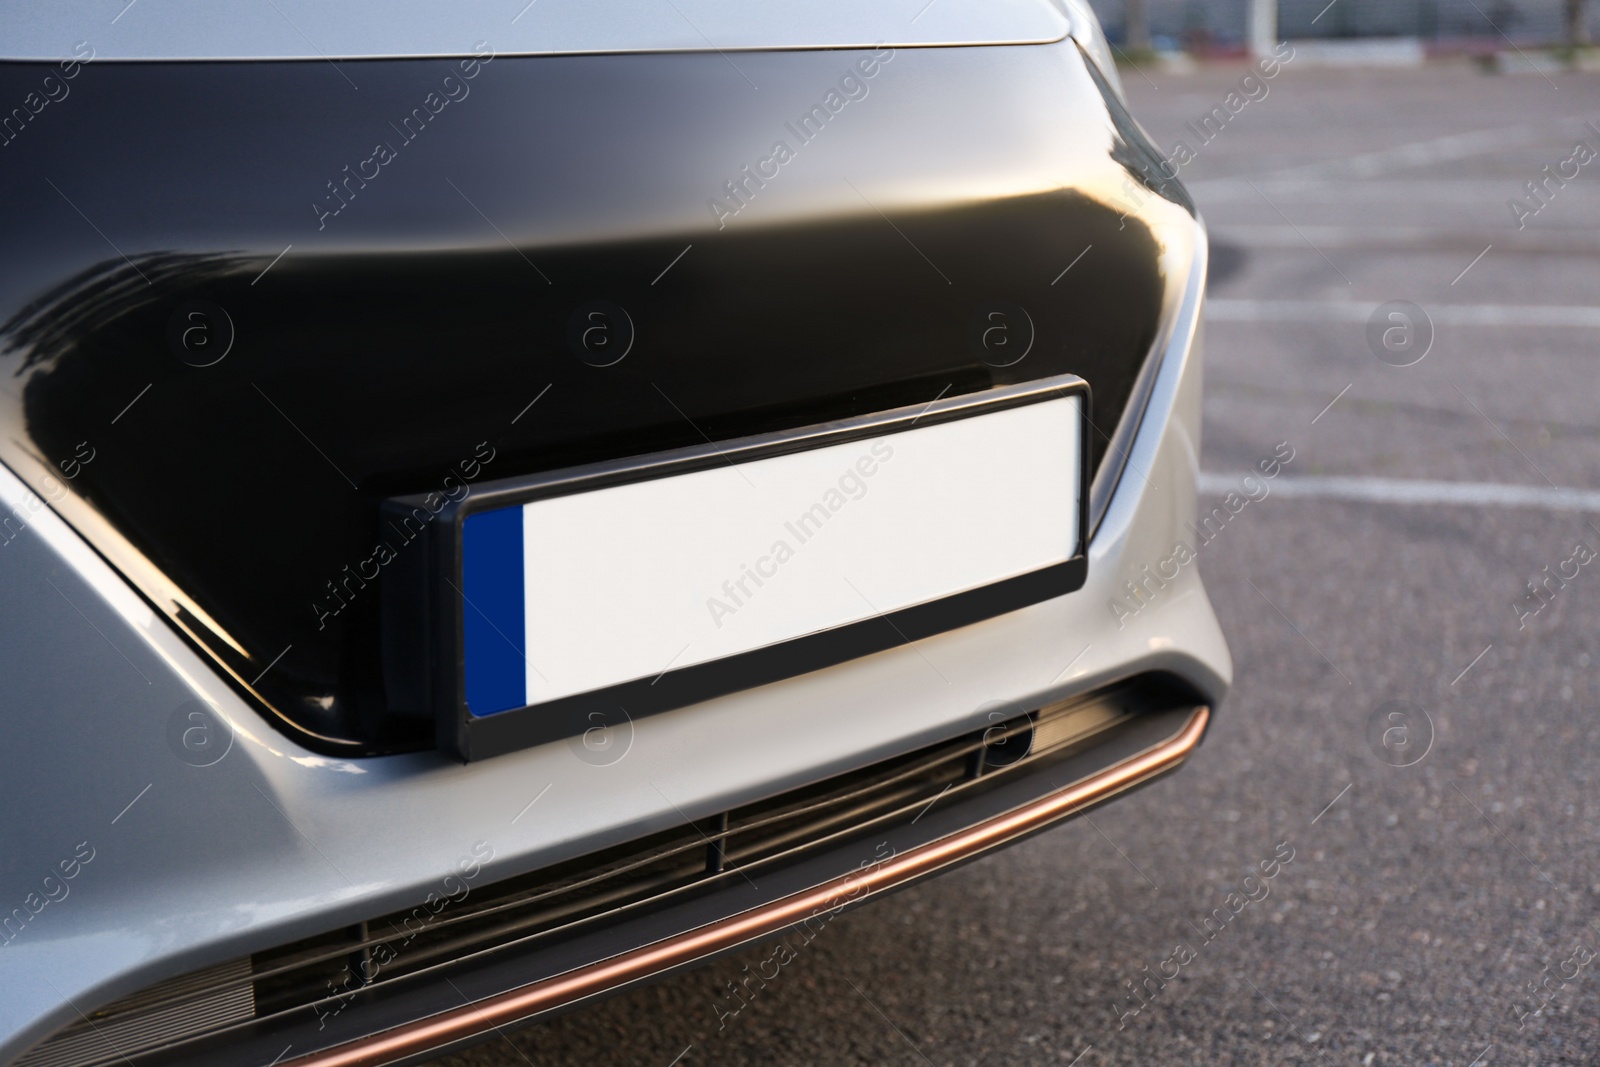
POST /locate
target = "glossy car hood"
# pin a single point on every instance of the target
(308, 29)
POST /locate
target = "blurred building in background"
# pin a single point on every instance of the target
(1448, 26)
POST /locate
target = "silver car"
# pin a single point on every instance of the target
(499, 504)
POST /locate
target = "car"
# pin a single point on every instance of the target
(499, 506)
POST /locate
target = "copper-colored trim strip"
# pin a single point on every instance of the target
(440, 1030)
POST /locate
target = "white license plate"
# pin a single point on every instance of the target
(581, 592)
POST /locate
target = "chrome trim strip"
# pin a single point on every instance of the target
(1171, 346)
(439, 1031)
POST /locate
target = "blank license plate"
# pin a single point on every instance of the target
(575, 593)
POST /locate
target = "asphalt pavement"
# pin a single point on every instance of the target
(1445, 862)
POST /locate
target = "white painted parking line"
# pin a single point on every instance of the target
(1447, 149)
(1441, 314)
(1410, 240)
(1426, 188)
(1414, 491)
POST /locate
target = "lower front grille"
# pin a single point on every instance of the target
(316, 979)
(195, 1003)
